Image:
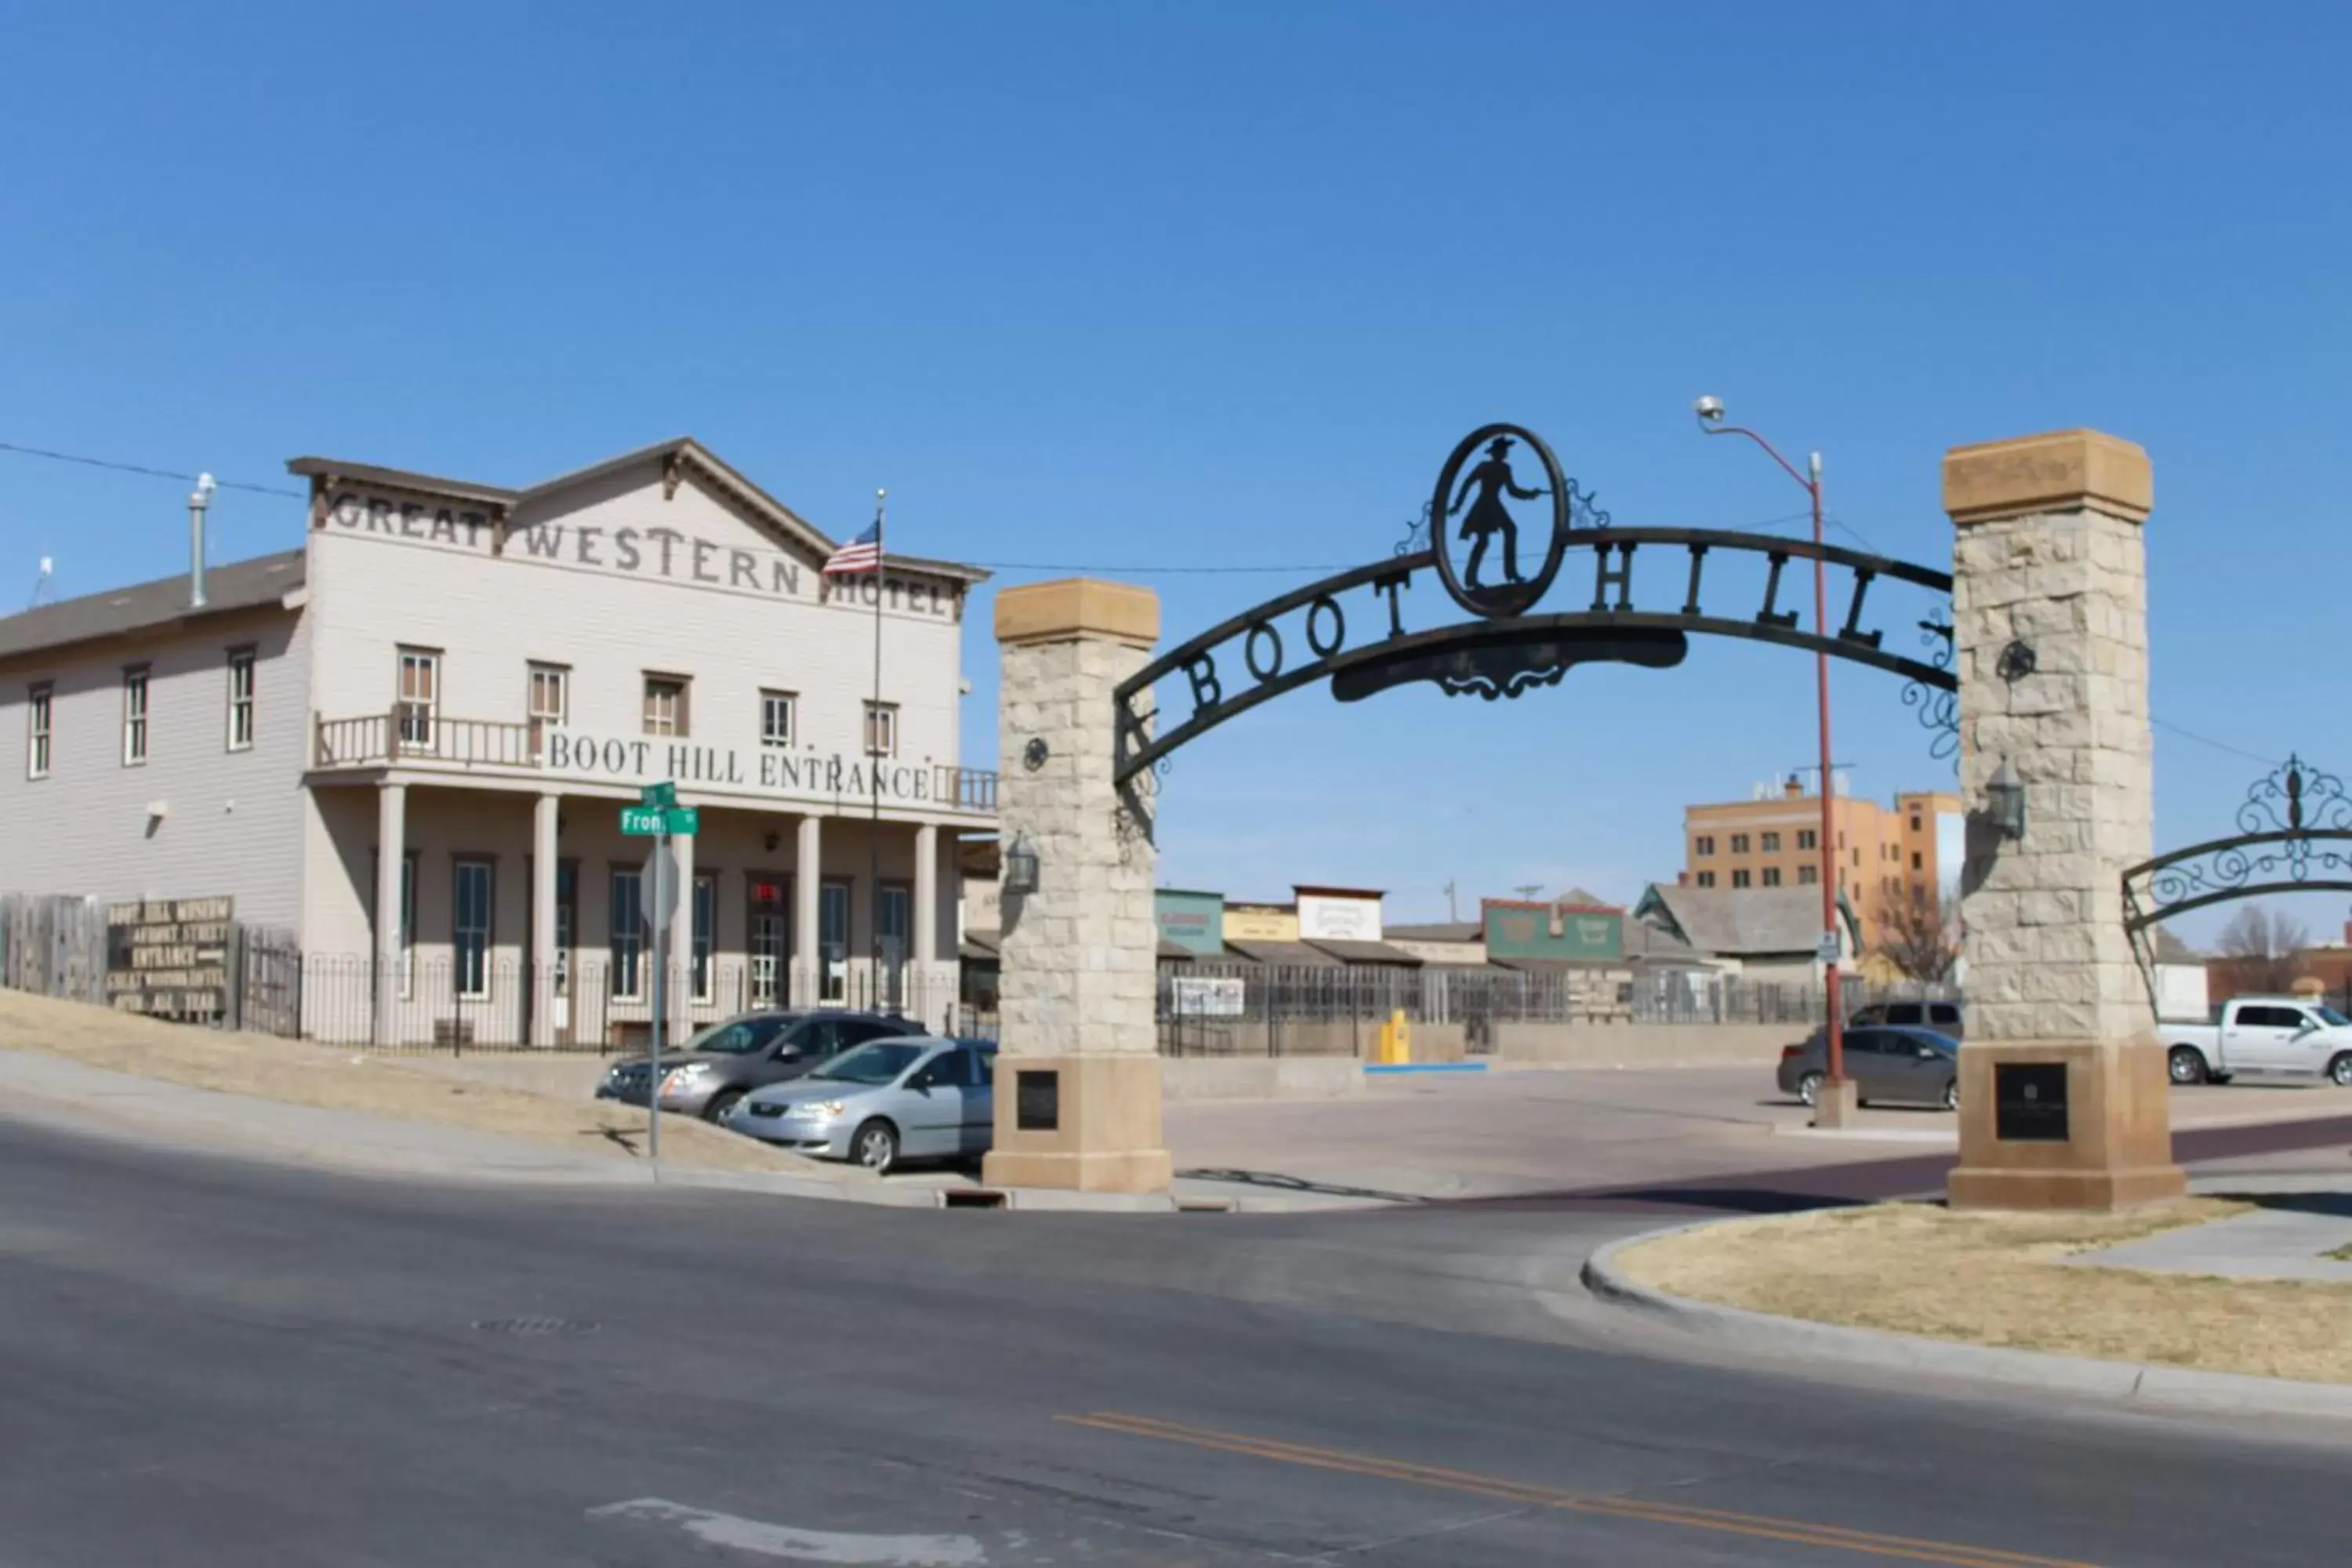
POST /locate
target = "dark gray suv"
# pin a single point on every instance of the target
(726, 1061)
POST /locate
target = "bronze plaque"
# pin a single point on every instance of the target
(1037, 1105)
(2029, 1102)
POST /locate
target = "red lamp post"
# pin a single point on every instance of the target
(1711, 421)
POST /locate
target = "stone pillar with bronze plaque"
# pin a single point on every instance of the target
(2061, 1081)
(1078, 1073)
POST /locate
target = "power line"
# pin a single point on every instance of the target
(150, 473)
(2217, 745)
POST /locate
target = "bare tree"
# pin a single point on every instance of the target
(1920, 935)
(2264, 948)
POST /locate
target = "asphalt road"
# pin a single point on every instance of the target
(204, 1363)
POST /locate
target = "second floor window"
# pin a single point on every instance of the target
(1807, 839)
(1809, 876)
(665, 705)
(776, 725)
(1739, 844)
(550, 702)
(1772, 842)
(134, 716)
(420, 695)
(882, 728)
(1772, 876)
(1704, 844)
(1740, 878)
(240, 698)
(37, 732)
(1707, 878)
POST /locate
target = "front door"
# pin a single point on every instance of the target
(770, 936)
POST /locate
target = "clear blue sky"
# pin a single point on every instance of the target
(1126, 286)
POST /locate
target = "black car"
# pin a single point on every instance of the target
(720, 1066)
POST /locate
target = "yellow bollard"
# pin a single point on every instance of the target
(1396, 1040)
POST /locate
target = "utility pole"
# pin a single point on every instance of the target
(1452, 915)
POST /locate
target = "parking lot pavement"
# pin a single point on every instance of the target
(1510, 1132)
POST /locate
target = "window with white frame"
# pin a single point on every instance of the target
(665, 705)
(471, 886)
(550, 702)
(134, 716)
(240, 698)
(881, 729)
(420, 696)
(777, 715)
(628, 934)
(37, 708)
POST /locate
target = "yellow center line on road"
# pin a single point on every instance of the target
(1951, 1555)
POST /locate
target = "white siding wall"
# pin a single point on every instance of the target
(376, 587)
(235, 820)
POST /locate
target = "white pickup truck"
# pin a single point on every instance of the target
(2282, 1035)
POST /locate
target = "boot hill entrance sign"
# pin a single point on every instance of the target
(2031, 652)
(1352, 628)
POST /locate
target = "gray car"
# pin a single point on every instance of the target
(888, 1100)
(1885, 1063)
(726, 1061)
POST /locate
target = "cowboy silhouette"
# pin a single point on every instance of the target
(1488, 516)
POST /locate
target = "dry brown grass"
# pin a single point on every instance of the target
(301, 1074)
(1995, 1279)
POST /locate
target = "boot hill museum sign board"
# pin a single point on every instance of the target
(169, 958)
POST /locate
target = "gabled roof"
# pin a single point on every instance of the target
(238, 585)
(1737, 922)
(677, 452)
(1443, 930)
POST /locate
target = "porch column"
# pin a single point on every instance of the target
(680, 956)
(930, 1006)
(2061, 1081)
(808, 981)
(544, 849)
(1078, 1090)
(390, 862)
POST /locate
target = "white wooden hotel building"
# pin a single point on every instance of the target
(467, 683)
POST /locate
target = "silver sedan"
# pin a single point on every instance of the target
(885, 1101)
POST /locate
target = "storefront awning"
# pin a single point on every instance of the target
(1366, 952)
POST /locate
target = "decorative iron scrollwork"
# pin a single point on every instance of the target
(1938, 706)
(2295, 797)
(2295, 835)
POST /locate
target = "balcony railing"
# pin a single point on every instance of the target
(412, 734)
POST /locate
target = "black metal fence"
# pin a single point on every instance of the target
(1213, 1009)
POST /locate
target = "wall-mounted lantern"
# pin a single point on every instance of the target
(1019, 866)
(2005, 801)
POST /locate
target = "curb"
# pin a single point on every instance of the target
(2125, 1381)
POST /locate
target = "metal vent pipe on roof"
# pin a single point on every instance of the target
(197, 502)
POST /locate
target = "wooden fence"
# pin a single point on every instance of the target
(55, 945)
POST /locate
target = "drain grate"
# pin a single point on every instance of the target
(535, 1326)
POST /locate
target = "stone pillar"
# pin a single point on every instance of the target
(2050, 624)
(544, 848)
(807, 981)
(1077, 1076)
(391, 864)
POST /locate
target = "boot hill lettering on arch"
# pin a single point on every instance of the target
(1504, 530)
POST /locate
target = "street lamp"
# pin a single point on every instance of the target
(1710, 422)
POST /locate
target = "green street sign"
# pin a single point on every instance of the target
(663, 794)
(646, 821)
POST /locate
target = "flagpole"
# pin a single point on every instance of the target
(874, 771)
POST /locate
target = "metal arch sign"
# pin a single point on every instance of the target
(1708, 582)
(1489, 520)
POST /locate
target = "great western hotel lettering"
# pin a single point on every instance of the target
(653, 553)
(785, 773)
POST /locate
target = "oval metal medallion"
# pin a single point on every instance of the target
(1471, 511)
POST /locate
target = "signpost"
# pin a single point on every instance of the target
(657, 815)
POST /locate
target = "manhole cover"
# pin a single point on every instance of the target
(534, 1325)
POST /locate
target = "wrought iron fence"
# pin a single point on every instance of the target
(1209, 1009)
(588, 1003)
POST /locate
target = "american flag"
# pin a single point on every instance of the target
(863, 553)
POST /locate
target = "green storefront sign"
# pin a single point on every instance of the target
(1193, 921)
(1554, 931)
